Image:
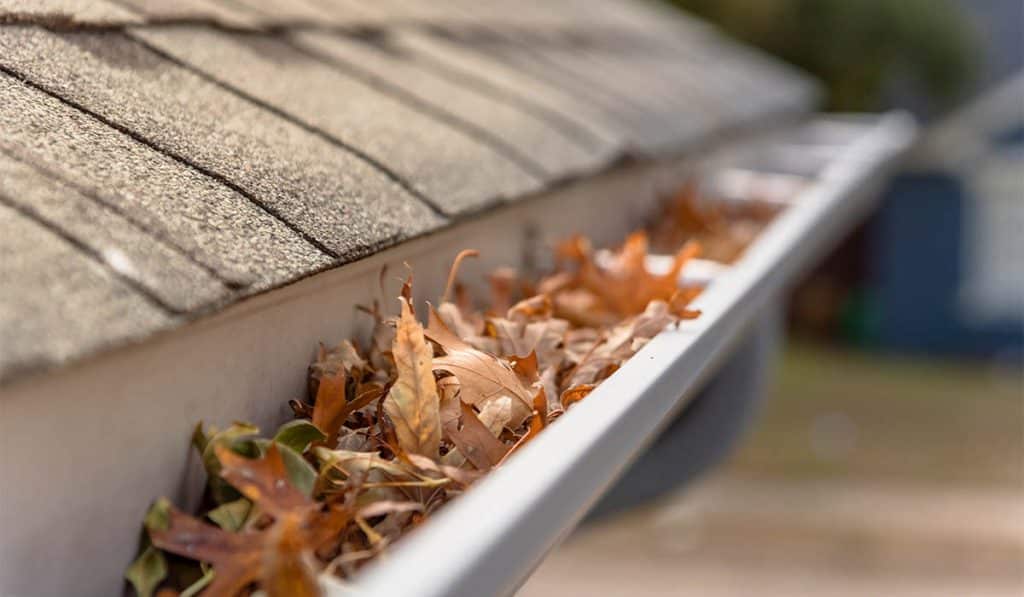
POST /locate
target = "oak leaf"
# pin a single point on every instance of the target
(482, 377)
(622, 281)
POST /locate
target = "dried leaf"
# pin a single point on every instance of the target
(575, 394)
(234, 556)
(329, 405)
(482, 376)
(387, 507)
(329, 362)
(622, 282)
(264, 481)
(288, 565)
(496, 414)
(413, 424)
(454, 271)
(413, 403)
(472, 437)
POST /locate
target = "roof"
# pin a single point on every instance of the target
(162, 159)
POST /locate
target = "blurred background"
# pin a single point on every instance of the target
(888, 455)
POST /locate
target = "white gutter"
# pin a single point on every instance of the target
(488, 541)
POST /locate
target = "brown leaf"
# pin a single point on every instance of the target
(263, 480)
(623, 284)
(503, 281)
(288, 565)
(462, 326)
(575, 394)
(535, 307)
(461, 476)
(496, 414)
(413, 403)
(540, 410)
(538, 421)
(473, 439)
(279, 558)
(329, 408)
(482, 376)
(236, 557)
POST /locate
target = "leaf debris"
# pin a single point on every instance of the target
(401, 427)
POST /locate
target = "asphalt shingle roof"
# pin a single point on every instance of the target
(161, 159)
(424, 152)
(212, 224)
(42, 319)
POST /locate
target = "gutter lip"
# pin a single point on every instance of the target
(489, 540)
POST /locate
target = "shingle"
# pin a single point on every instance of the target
(457, 171)
(680, 111)
(66, 12)
(64, 304)
(480, 69)
(288, 12)
(338, 200)
(526, 136)
(215, 225)
(359, 13)
(177, 282)
(579, 76)
(740, 89)
(196, 10)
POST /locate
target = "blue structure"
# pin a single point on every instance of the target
(947, 246)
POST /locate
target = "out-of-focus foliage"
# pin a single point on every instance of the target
(857, 47)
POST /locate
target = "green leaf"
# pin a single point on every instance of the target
(232, 515)
(147, 571)
(221, 491)
(298, 435)
(159, 515)
(301, 474)
(200, 584)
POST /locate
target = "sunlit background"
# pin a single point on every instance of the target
(888, 455)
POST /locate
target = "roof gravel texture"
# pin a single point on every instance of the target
(162, 159)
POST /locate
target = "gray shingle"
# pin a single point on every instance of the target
(336, 199)
(480, 69)
(66, 12)
(526, 136)
(64, 304)
(215, 225)
(579, 76)
(290, 12)
(455, 170)
(195, 10)
(674, 113)
(174, 280)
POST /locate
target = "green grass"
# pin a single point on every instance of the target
(888, 417)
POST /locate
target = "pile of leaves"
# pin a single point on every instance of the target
(394, 429)
(723, 229)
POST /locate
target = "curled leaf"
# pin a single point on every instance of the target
(298, 435)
